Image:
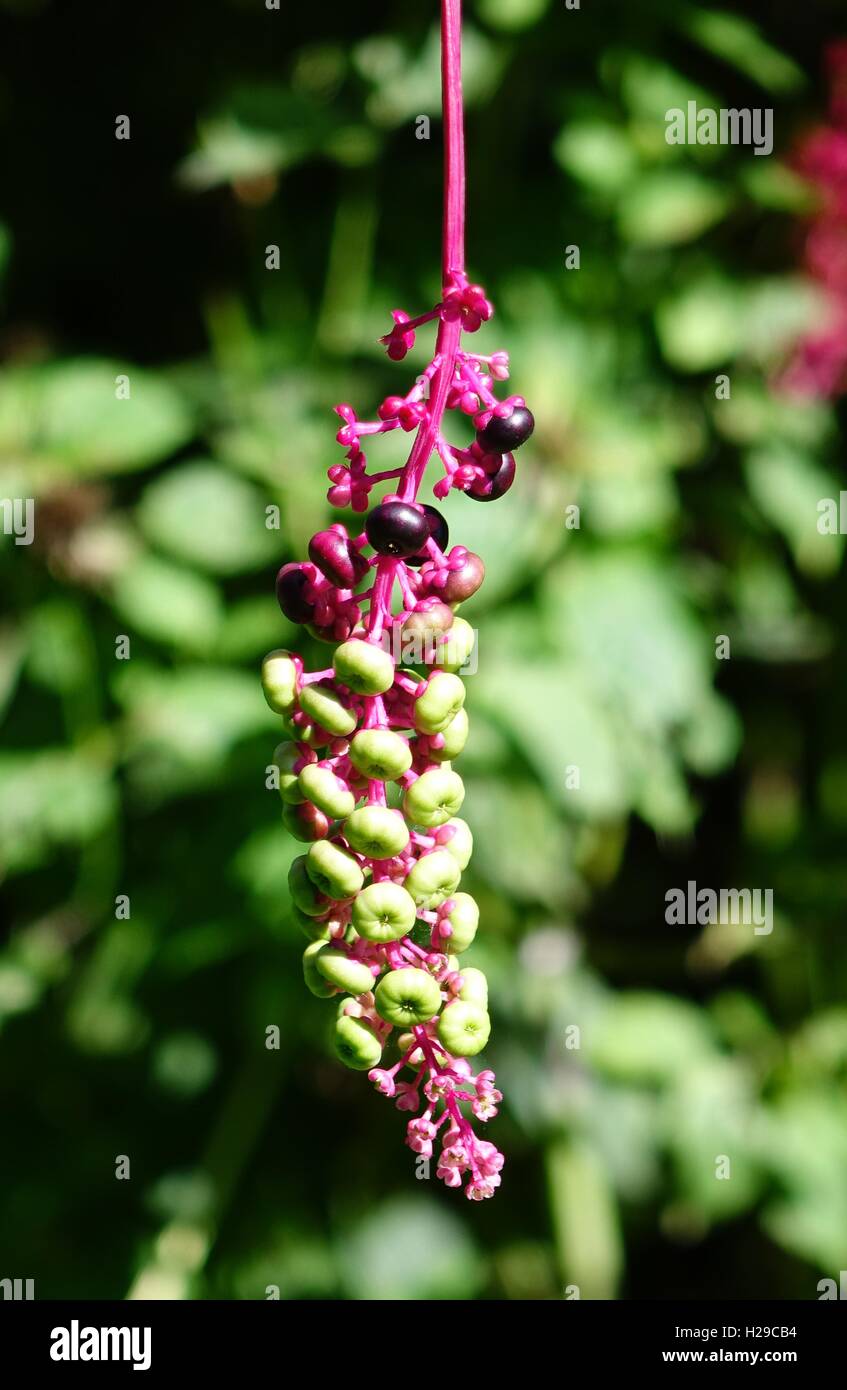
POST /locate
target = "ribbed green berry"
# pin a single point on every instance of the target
(376, 831)
(432, 879)
(333, 871)
(304, 893)
(326, 791)
(460, 844)
(324, 705)
(474, 986)
(383, 912)
(380, 754)
(464, 1028)
(279, 681)
(364, 667)
(284, 758)
(455, 737)
(315, 928)
(464, 919)
(356, 1044)
(457, 646)
(407, 996)
(439, 704)
(434, 797)
(337, 967)
(305, 822)
(315, 981)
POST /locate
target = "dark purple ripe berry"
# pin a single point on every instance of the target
(506, 432)
(291, 583)
(438, 530)
(465, 581)
(337, 559)
(499, 480)
(397, 528)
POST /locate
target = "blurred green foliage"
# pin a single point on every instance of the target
(140, 781)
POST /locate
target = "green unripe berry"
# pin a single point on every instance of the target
(432, 880)
(463, 1029)
(363, 667)
(326, 791)
(404, 1042)
(460, 844)
(383, 912)
(337, 967)
(376, 831)
(333, 871)
(324, 705)
(407, 996)
(304, 893)
(313, 927)
(279, 681)
(305, 822)
(457, 646)
(474, 986)
(284, 758)
(356, 1044)
(455, 737)
(315, 981)
(380, 754)
(439, 704)
(434, 797)
(464, 919)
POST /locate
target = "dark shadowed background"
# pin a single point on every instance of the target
(723, 762)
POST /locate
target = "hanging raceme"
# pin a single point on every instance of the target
(365, 768)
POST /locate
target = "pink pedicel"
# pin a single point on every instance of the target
(344, 592)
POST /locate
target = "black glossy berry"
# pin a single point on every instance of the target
(397, 528)
(291, 583)
(503, 433)
(438, 530)
(498, 481)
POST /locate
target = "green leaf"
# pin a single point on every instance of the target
(703, 325)
(520, 846)
(585, 1219)
(737, 41)
(48, 800)
(182, 725)
(80, 425)
(620, 618)
(207, 517)
(653, 1038)
(376, 1263)
(670, 207)
(168, 604)
(787, 487)
(512, 15)
(597, 153)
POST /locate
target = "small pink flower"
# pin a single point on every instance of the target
(451, 1177)
(419, 1136)
(383, 1080)
(489, 1159)
(481, 1188)
(438, 1087)
(407, 1097)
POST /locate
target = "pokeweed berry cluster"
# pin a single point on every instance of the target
(365, 767)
